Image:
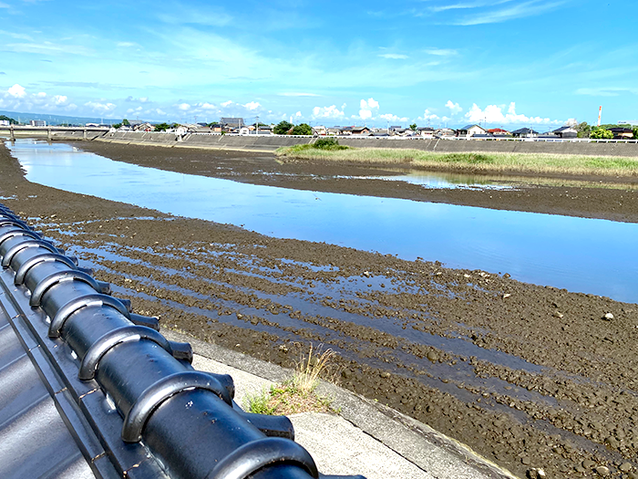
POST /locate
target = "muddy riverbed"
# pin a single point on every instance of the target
(529, 376)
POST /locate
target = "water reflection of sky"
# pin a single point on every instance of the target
(593, 256)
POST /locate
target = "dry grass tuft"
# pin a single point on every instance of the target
(296, 395)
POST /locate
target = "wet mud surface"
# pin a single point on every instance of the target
(528, 376)
(608, 201)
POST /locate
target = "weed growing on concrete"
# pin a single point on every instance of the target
(297, 394)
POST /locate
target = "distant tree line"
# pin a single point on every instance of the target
(287, 128)
(10, 120)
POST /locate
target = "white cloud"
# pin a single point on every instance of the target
(298, 114)
(206, 106)
(60, 99)
(428, 115)
(226, 104)
(331, 112)
(184, 106)
(454, 107)
(126, 44)
(253, 105)
(394, 56)
(17, 91)
(393, 118)
(102, 108)
(441, 52)
(366, 107)
(494, 114)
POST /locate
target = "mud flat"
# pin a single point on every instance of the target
(529, 376)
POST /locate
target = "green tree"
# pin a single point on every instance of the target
(162, 127)
(413, 127)
(303, 129)
(282, 128)
(583, 129)
(125, 122)
(600, 133)
(635, 129)
(116, 125)
(10, 120)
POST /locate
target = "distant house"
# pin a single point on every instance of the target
(445, 133)
(319, 130)
(471, 130)
(244, 130)
(525, 133)
(425, 131)
(4, 122)
(361, 131)
(566, 132)
(232, 122)
(622, 133)
(38, 123)
(499, 132)
(141, 126)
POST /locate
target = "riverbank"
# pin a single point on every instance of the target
(585, 196)
(540, 164)
(528, 376)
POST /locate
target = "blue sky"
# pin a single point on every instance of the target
(503, 63)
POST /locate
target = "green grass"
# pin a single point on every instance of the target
(296, 394)
(473, 161)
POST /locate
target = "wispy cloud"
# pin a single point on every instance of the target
(441, 52)
(606, 91)
(521, 10)
(48, 48)
(194, 16)
(394, 56)
(298, 94)
(17, 36)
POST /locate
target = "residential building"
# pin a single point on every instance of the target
(38, 123)
(232, 122)
(525, 133)
(566, 132)
(471, 130)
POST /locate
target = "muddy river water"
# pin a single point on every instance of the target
(579, 254)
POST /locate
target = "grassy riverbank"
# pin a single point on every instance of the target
(475, 161)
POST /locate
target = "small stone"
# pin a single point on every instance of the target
(525, 460)
(432, 356)
(612, 442)
(558, 315)
(346, 374)
(506, 295)
(367, 274)
(588, 463)
(625, 467)
(602, 470)
(608, 317)
(239, 315)
(385, 375)
(507, 276)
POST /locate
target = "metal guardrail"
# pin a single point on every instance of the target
(131, 398)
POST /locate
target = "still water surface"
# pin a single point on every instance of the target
(585, 255)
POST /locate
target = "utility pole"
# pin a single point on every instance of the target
(257, 129)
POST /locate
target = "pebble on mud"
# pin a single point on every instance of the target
(608, 317)
(602, 470)
(625, 467)
(536, 474)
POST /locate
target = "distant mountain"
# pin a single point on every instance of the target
(56, 119)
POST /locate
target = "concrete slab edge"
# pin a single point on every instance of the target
(417, 442)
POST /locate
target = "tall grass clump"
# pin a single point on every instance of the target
(493, 162)
(297, 394)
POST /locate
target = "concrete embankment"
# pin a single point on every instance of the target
(271, 143)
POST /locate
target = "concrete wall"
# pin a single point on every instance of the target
(271, 143)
